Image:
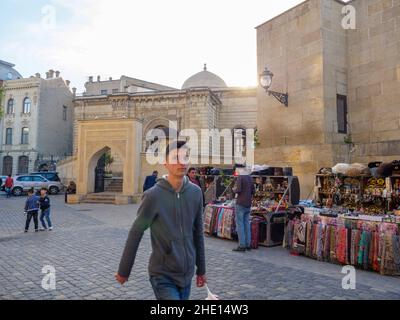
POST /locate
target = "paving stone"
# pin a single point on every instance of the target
(86, 246)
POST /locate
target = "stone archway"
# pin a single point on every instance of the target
(123, 136)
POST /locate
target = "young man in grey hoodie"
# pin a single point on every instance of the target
(173, 210)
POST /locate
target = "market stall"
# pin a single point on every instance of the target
(366, 242)
(355, 219)
(273, 194)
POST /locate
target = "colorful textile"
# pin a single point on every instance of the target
(341, 246)
(333, 242)
(369, 245)
(208, 215)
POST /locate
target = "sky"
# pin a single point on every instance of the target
(162, 41)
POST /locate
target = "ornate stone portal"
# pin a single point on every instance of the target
(97, 136)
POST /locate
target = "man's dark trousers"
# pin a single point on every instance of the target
(29, 216)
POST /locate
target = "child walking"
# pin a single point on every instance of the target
(45, 207)
(31, 210)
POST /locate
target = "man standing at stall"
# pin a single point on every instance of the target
(173, 210)
(244, 190)
(193, 178)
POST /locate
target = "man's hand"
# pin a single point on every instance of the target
(120, 279)
(201, 281)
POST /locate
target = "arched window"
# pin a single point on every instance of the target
(239, 141)
(27, 105)
(25, 136)
(7, 165)
(10, 106)
(9, 132)
(23, 165)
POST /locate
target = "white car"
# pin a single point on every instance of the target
(25, 182)
(3, 179)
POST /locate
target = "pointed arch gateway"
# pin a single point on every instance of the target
(95, 137)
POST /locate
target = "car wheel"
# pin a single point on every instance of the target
(54, 190)
(17, 191)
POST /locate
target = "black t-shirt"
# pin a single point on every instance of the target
(44, 203)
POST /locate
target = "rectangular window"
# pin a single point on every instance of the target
(9, 136)
(103, 92)
(64, 113)
(25, 136)
(341, 104)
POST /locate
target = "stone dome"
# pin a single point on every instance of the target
(7, 72)
(204, 79)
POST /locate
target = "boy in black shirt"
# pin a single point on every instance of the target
(45, 207)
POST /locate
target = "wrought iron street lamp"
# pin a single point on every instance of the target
(266, 82)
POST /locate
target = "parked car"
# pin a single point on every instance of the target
(3, 179)
(49, 175)
(25, 182)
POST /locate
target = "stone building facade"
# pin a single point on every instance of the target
(203, 102)
(343, 86)
(36, 128)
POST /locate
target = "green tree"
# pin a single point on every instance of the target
(108, 161)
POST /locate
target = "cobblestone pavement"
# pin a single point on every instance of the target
(86, 244)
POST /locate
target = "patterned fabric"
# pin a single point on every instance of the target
(219, 221)
(342, 245)
(320, 236)
(388, 264)
(308, 238)
(375, 254)
(327, 240)
(333, 256)
(226, 229)
(366, 250)
(396, 250)
(369, 245)
(208, 214)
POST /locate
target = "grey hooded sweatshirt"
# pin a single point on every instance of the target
(176, 224)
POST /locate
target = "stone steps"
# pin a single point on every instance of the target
(98, 201)
(100, 198)
(115, 186)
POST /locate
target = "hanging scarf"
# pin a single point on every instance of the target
(396, 251)
(375, 259)
(327, 240)
(308, 238)
(320, 241)
(366, 250)
(353, 247)
(389, 267)
(342, 245)
(361, 249)
(315, 241)
(332, 245)
(357, 246)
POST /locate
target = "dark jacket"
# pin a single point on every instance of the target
(44, 203)
(197, 183)
(244, 187)
(32, 203)
(149, 182)
(176, 224)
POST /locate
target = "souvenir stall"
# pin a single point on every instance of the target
(365, 242)
(273, 194)
(355, 221)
